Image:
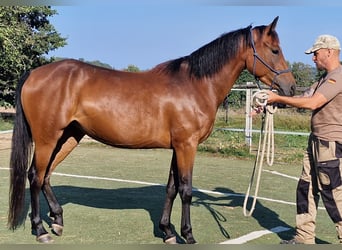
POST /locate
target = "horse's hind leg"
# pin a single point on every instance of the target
(56, 211)
(36, 175)
(65, 145)
(46, 158)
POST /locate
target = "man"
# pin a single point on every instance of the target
(322, 160)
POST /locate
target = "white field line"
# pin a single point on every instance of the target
(107, 179)
(158, 184)
(280, 174)
(254, 235)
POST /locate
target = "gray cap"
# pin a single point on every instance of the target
(324, 42)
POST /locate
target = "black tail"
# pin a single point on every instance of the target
(20, 157)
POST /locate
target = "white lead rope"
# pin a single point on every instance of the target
(266, 139)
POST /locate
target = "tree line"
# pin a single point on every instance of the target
(27, 36)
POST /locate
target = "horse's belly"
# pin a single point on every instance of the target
(129, 136)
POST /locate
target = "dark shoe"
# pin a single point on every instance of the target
(291, 242)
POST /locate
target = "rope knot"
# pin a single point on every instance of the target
(259, 102)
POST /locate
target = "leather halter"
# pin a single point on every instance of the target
(257, 57)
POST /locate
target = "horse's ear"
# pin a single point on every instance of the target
(273, 25)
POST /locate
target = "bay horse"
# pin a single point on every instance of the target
(171, 106)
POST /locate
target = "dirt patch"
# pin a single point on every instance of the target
(5, 140)
(7, 110)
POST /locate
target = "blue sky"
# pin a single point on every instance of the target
(146, 33)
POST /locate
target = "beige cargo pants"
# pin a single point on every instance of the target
(321, 174)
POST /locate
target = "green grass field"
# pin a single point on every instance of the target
(121, 212)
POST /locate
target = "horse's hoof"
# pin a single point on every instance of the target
(191, 240)
(45, 238)
(57, 229)
(171, 240)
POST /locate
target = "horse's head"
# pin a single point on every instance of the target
(266, 61)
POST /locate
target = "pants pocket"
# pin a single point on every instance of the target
(329, 174)
(338, 150)
(326, 151)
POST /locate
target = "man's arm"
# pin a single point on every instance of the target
(312, 102)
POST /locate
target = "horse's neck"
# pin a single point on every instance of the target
(224, 80)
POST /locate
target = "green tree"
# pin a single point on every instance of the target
(26, 35)
(100, 64)
(132, 68)
(236, 99)
(304, 74)
(244, 77)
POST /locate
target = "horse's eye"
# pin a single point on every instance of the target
(275, 51)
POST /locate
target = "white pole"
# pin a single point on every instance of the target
(248, 122)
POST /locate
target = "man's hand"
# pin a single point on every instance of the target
(272, 97)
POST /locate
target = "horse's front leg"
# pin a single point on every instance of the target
(171, 193)
(185, 191)
(185, 161)
(180, 179)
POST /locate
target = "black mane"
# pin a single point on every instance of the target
(209, 59)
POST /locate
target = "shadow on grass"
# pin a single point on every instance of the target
(265, 216)
(151, 199)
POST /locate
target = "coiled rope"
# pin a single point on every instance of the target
(266, 145)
